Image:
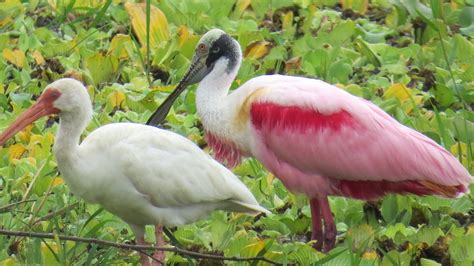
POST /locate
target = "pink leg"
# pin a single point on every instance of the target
(317, 230)
(160, 242)
(143, 258)
(330, 231)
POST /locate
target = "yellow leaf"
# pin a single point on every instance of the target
(35, 139)
(168, 88)
(359, 6)
(79, 5)
(119, 45)
(72, 73)
(9, 9)
(9, 262)
(409, 105)
(399, 91)
(159, 30)
(460, 149)
(241, 6)
(58, 181)
(16, 57)
(270, 178)
(470, 229)
(196, 138)
(370, 255)
(116, 99)
(253, 249)
(183, 34)
(287, 21)
(15, 151)
(39, 59)
(293, 63)
(25, 134)
(257, 50)
(31, 161)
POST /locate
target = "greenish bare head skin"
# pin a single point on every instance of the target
(213, 46)
(211, 36)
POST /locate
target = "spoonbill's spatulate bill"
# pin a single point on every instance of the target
(142, 174)
(318, 139)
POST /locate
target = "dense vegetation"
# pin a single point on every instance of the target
(412, 58)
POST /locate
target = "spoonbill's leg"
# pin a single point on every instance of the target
(159, 255)
(329, 225)
(317, 228)
(143, 258)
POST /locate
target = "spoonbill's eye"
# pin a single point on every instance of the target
(215, 50)
(202, 47)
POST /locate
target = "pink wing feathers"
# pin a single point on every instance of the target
(320, 131)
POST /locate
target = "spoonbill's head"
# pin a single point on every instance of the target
(66, 97)
(215, 48)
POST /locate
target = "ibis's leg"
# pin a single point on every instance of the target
(159, 255)
(143, 258)
(317, 228)
(329, 225)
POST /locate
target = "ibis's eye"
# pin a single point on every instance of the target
(215, 50)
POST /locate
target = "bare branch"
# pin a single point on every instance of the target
(56, 213)
(9, 206)
(138, 248)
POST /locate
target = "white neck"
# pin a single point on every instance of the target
(66, 144)
(211, 97)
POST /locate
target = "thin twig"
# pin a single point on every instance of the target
(139, 248)
(55, 213)
(11, 205)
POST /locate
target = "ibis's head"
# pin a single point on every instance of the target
(66, 97)
(214, 48)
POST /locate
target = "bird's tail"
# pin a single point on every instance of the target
(250, 208)
(445, 191)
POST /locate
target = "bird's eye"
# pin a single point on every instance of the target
(215, 50)
(202, 46)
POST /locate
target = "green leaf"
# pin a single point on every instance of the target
(460, 249)
(400, 258)
(101, 67)
(428, 262)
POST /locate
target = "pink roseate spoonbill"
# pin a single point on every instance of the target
(316, 138)
(140, 173)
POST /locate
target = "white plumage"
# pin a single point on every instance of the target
(146, 175)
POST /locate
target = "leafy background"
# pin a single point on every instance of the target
(412, 58)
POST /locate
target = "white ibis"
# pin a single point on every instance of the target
(318, 139)
(140, 173)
